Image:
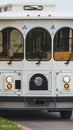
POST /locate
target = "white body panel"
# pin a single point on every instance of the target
(45, 67)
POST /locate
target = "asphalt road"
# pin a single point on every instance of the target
(39, 120)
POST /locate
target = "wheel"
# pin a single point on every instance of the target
(66, 114)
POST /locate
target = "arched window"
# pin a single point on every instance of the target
(38, 44)
(63, 44)
(11, 44)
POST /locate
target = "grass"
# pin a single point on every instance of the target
(7, 125)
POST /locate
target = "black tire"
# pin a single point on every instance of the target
(66, 114)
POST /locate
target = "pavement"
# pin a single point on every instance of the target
(23, 127)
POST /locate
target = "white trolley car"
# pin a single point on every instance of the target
(36, 58)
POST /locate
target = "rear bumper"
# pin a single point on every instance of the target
(36, 103)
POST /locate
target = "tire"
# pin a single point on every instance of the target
(66, 114)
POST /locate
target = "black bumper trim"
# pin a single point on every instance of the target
(31, 99)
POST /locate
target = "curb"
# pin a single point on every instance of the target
(23, 127)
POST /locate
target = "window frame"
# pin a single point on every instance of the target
(50, 52)
(4, 57)
(62, 53)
